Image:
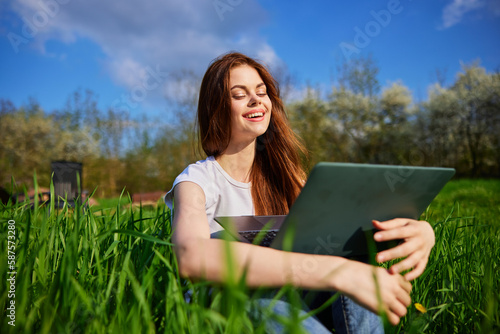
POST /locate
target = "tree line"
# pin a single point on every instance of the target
(357, 121)
(457, 126)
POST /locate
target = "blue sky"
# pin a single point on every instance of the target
(129, 52)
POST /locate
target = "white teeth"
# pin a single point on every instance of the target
(257, 114)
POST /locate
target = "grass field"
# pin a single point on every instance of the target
(111, 269)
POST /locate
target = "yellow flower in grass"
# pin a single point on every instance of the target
(421, 308)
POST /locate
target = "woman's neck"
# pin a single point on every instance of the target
(237, 161)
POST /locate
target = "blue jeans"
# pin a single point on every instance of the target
(344, 315)
(349, 317)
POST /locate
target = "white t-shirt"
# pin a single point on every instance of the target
(224, 196)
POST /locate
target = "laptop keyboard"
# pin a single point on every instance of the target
(266, 241)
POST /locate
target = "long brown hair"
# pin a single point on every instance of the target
(277, 175)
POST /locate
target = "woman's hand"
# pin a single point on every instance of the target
(375, 289)
(418, 237)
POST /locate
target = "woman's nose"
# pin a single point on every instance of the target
(255, 100)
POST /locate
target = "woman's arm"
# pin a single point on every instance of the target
(200, 257)
(418, 239)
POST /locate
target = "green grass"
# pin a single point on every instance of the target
(105, 203)
(111, 269)
(478, 198)
(461, 285)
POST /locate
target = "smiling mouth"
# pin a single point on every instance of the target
(254, 115)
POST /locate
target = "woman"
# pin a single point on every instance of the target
(253, 167)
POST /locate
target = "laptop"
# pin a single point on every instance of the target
(334, 211)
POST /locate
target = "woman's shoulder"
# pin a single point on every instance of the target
(200, 173)
(199, 168)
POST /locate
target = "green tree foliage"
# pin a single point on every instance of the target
(32, 139)
(359, 75)
(463, 122)
(457, 126)
(164, 148)
(25, 133)
(375, 123)
(375, 126)
(355, 113)
(358, 121)
(394, 113)
(310, 121)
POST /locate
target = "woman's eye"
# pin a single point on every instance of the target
(240, 96)
(262, 94)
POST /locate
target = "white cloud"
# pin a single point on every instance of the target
(454, 12)
(139, 34)
(267, 56)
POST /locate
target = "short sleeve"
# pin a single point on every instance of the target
(198, 174)
(224, 196)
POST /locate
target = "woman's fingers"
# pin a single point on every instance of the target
(407, 287)
(363, 288)
(396, 305)
(410, 262)
(417, 261)
(400, 251)
(401, 231)
(395, 294)
(418, 239)
(418, 269)
(389, 224)
(393, 318)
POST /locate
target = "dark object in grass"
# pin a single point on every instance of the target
(4, 196)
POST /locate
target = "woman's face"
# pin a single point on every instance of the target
(250, 104)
